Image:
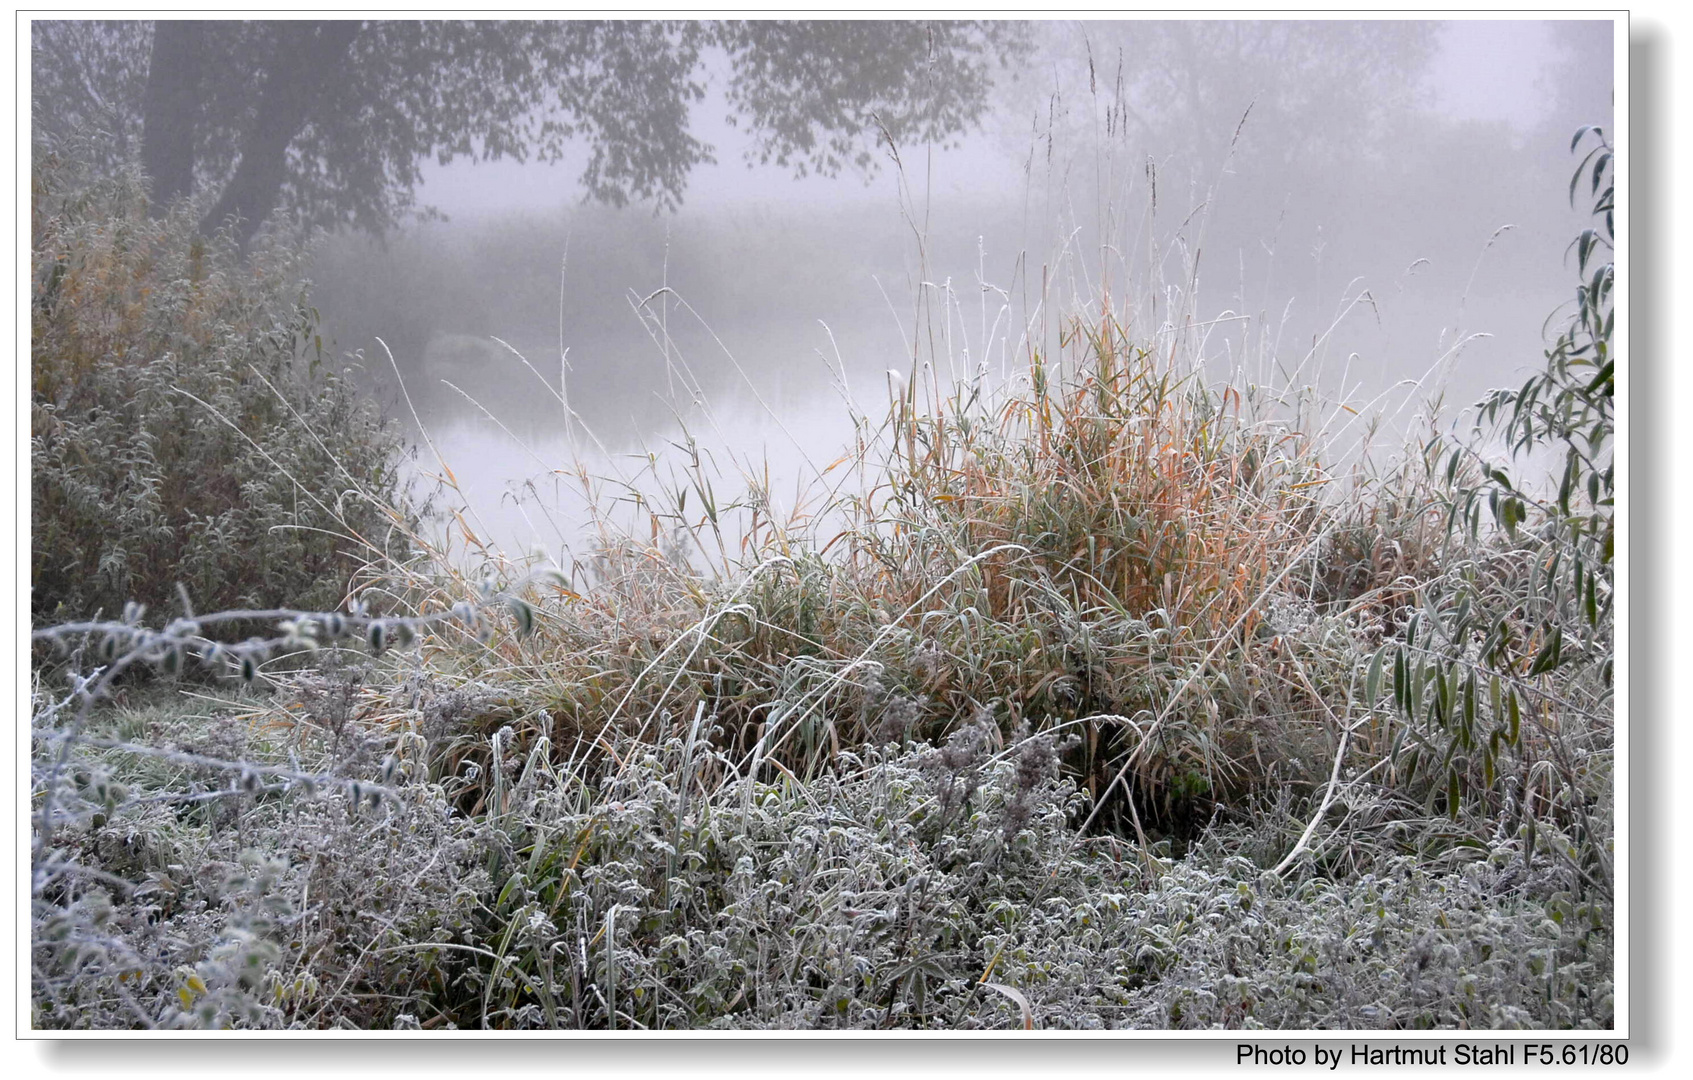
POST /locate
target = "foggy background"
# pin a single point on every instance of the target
(1394, 206)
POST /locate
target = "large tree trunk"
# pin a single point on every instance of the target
(170, 107)
(307, 55)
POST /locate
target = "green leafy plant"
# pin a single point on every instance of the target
(1504, 672)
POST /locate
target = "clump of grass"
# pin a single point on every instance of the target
(1101, 545)
(1140, 523)
(1131, 484)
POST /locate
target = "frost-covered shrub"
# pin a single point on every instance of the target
(1498, 944)
(891, 891)
(203, 891)
(407, 882)
(184, 426)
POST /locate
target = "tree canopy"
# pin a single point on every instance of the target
(332, 120)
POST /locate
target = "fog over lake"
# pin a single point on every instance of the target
(1349, 205)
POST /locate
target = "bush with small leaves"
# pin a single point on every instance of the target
(184, 425)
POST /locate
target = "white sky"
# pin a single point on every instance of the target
(1488, 70)
(1485, 70)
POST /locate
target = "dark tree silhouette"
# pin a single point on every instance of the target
(332, 120)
